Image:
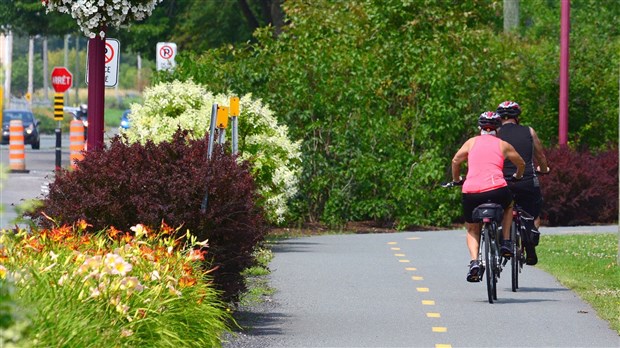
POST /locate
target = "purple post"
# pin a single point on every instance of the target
(96, 92)
(564, 33)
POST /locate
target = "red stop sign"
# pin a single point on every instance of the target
(61, 79)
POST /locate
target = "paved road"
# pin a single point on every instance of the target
(19, 187)
(409, 290)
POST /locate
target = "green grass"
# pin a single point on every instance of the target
(256, 278)
(587, 264)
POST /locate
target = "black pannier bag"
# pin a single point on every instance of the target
(530, 233)
(488, 210)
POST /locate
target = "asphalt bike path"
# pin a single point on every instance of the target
(409, 290)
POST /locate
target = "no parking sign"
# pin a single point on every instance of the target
(112, 57)
(166, 51)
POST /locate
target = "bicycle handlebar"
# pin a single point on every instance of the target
(453, 183)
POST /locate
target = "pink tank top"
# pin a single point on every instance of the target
(485, 163)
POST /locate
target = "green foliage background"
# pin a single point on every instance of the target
(383, 93)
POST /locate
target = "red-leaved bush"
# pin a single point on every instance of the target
(125, 185)
(582, 188)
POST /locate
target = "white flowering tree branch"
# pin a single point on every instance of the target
(93, 16)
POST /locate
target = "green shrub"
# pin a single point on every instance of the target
(150, 183)
(262, 142)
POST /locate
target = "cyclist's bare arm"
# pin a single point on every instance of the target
(511, 154)
(539, 154)
(459, 158)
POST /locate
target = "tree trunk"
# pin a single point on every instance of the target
(511, 15)
(249, 16)
(45, 71)
(277, 16)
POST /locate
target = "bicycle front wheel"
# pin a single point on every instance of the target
(488, 260)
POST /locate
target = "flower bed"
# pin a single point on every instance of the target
(64, 287)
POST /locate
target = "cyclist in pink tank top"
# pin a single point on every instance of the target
(485, 183)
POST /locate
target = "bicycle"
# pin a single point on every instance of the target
(519, 236)
(491, 261)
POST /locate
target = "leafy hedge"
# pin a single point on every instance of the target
(147, 184)
(582, 187)
(381, 94)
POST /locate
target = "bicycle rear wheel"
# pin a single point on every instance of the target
(489, 262)
(514, 260)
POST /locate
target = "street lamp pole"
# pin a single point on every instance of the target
(96, 92)
(564, 34)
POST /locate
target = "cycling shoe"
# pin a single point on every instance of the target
(475, 271)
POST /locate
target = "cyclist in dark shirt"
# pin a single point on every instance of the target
(526, 192)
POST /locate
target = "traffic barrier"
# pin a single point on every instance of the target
(17, 153)
(76, 142)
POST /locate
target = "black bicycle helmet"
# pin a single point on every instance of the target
(508, 109)
(489, 121)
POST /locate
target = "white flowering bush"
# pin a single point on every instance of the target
(274, 157)
(92, 15)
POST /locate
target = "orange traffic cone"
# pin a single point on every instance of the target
(17, 154)
(76, 142)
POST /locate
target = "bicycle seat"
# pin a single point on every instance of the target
(492, 211)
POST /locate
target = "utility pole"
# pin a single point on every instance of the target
(8, 63)
(564, 41)
(511, 16)
(45, 72)
(30, 69)
(66, 62)
(96, 91)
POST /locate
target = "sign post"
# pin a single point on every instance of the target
(62, 80)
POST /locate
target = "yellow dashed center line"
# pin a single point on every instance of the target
(437, 329)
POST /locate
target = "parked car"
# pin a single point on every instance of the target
(125, 123)
(30, 123)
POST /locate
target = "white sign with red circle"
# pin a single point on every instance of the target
(112, 58)
(166, 51)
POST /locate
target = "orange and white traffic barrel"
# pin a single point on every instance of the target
(17, 153)
(76, 142)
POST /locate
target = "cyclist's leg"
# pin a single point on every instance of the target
(470, 201)
(473, 239)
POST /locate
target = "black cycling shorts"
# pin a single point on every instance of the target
(527, 195)
(501, 196)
